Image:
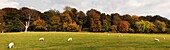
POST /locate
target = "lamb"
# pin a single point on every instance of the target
(156, 39)
(70, 39)
(11, 45)
(41, 39)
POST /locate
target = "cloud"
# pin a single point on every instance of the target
(7, 3)
(132, 7)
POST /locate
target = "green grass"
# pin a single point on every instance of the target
(84, 41)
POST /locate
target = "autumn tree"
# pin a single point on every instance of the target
(145, 26)
(68, 23)
(94, 20)
(56, 23)
(123, 26)
(161, 26)
(115, 19)
(39, 24)
(50, 18)
(114, 28)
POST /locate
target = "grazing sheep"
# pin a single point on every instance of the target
(88, 33)
(70, 39)
(11, 45)
(156, 39)
(120, 35)
(164, 38)
(41, 39)
(108, 34)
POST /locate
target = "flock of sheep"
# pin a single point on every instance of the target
(11, 45)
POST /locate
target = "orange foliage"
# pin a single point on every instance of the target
(40, 24)
(123, 26)
(74, 25)
(67, 17)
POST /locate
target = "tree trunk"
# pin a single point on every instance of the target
(26, 26)
(80, 28)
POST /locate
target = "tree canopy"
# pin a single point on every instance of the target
(73, 20)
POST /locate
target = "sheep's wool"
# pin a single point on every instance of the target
(41, 39)
(156, 39)
(69, 39)
(11, 45)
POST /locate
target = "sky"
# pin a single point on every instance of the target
(132, 7)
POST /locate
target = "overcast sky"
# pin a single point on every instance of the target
(132, 7)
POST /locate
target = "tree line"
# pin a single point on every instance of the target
(72, 20)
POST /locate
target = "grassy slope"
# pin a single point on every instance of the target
(84, 41)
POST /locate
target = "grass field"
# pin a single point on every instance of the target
(84, 41)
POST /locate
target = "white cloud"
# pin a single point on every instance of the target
(7, 3)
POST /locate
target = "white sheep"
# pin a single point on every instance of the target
(70, 39)
(41, 39)
(88, 33)
(156, 39)
(164, 38)
(11, 45)
(108, 34)
(120, 35)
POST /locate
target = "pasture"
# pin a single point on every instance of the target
(84, 41)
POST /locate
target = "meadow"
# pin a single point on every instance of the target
(84, 41)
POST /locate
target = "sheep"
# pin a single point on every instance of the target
(108, 34)
(156, 39)
(164, 38)
(70, 39)
(41, 39)
(120, 35)
(88, 33)
(11, 45)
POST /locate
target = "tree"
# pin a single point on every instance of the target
(81, 18)
(56, 23)
(94, 20)
(145, 26)
(11, 19)
(50, 17)
(2, 23)
(161, 26)
(114, 28)
(73, 26)
(106, 25)
(123, 26)
(39, 24)
(68, 23)
(115, 19)
(29, 15)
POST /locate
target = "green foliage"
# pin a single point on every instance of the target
(106, 25)
(14, 26)
(144, 26)
(161, 26)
